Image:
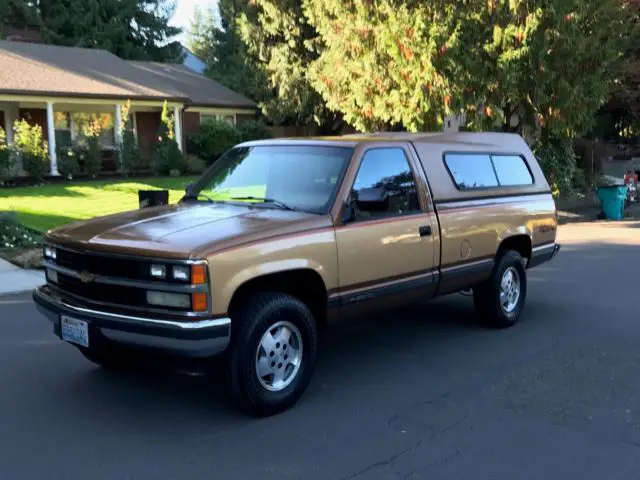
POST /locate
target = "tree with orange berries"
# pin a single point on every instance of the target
(515, 65)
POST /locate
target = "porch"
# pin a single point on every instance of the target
(63, 122)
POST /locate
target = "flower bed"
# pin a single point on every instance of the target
(19, 244)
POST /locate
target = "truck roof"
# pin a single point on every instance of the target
(501, 140)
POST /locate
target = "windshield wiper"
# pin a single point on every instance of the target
(280, 204)
(198, 196)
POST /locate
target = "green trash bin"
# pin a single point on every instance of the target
(612, 200)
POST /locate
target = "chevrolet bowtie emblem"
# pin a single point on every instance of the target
(86, 277)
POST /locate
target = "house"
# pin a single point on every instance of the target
(56, 87)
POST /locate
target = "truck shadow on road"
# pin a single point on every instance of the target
(351, 352)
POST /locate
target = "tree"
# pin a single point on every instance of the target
(545, 68)
(201, 35)
(514, 65)
(377, 62)
(215, 39)
(19, 13)
(277, 34)
(623, 109)
(131, 29)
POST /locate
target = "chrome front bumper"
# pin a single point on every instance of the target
(198, 338)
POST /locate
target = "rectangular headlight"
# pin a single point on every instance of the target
(50, 252)
(164, 299)
(182, 273)
(158, 271)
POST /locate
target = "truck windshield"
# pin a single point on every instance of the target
(300, 177)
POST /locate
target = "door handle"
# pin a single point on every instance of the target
(425, 231)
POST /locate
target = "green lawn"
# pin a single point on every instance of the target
(48, 206)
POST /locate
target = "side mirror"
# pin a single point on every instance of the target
(348, 214)
(373, 200)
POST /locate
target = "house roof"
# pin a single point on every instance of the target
(37, 69)
(56, 71)
(201, 90)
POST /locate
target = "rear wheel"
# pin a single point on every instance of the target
(500, 300)
(273, 353)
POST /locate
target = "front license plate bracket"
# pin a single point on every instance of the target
(74, 331)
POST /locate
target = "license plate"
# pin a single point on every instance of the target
(74, 331)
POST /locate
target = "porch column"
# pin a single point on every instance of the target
(51, 130)
(118, 125)
(177, 125)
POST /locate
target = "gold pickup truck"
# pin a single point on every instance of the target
(280, 237)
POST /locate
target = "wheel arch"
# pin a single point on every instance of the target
(304, 283)
(519, 241)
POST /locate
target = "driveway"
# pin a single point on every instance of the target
(420, 393)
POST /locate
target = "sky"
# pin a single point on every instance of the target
(184, 12)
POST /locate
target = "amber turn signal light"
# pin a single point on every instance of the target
(198, 274)
(199, 302)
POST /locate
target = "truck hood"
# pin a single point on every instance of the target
(183, 230)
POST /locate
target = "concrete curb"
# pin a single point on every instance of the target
(14, 280)
(18, 292)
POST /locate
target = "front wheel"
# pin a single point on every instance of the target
(273, 352)
(500, 300)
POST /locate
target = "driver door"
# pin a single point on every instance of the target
(386, 241)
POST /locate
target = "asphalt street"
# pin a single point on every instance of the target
(424, 392)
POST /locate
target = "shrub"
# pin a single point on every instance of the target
(30, 145)
(195, 165)
(130, 157)
(558, 162)
(5, 157)
(68, 165)
(81, 153)
(35, 165)
(5, 164)
(167, 157)
(213, 138)
(93, 161)
(580, 180)
(254, 130)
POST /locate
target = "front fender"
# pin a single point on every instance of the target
(229, 270)
(260, 270)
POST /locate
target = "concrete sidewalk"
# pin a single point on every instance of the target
(16, 280)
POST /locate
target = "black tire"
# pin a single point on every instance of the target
(486, 296)
(107, 357)
(259, 314)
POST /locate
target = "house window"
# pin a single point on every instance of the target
(217, 116)
(207, 116)
(75, 127)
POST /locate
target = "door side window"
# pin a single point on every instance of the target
(384, 186)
